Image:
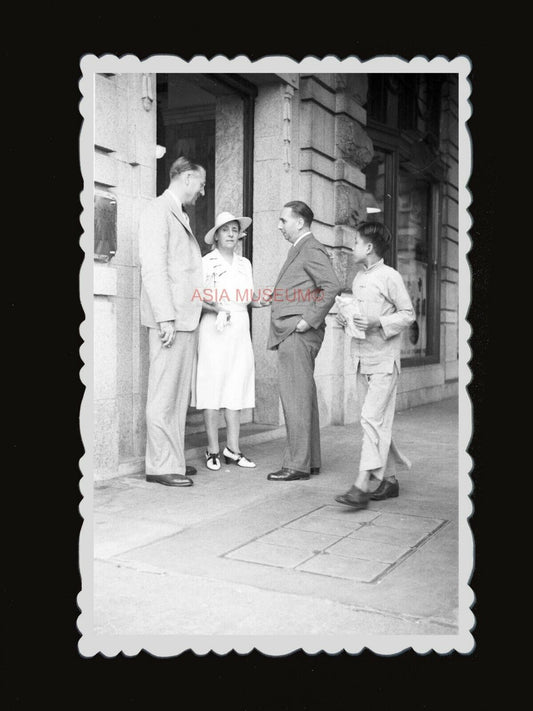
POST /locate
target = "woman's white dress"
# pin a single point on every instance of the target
(226, 373)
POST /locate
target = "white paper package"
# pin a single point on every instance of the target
(349, 308)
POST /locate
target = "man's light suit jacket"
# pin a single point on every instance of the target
(171, 266)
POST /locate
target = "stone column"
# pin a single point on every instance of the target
(353, 152)
(229, 173)
(229, 155)
(276, 160)
(335, 149)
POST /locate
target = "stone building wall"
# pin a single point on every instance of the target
(125, 167)
(450, 233)
(333, 150)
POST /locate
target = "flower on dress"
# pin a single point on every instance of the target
(215, 271)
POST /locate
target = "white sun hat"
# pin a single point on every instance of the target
(222, 219)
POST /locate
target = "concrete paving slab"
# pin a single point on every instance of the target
(404, 522)
(337, 566)
(128, 601)
(368, 550)
(388, 535)
(344, 514)
(196, 529)
(113, 535)
(201, 550)
(309, 541)
(270, 554)
(321, 525)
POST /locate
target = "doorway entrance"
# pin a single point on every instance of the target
(209, 119)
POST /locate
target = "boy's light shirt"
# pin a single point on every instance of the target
(381, 295)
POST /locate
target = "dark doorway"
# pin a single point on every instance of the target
(186, 126)
(189, 106)
(209, 119)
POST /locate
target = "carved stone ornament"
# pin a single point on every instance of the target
(353, 143)
(287, 116)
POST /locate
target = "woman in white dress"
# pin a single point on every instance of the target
(226, 372)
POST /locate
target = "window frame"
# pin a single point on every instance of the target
(393, 144)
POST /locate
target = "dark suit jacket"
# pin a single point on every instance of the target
(306, 288)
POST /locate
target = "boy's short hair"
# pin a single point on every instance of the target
(377, 233)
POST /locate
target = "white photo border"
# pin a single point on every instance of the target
(91, 644)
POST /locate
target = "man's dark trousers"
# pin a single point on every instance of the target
(297, 389)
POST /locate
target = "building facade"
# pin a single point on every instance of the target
(352, 146)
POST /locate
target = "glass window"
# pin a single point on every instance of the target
(377, 98)
(375, 185)
(404, 202)
(403, 181)
(413, 263)
(380, 205)
(407, 101)
(392, 100)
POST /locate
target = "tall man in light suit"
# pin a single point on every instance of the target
(171, 271)
(303, 294)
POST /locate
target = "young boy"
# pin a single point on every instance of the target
(385, 310)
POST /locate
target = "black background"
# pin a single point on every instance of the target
(40, 582)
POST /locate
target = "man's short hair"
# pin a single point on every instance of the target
(182, 165)
(377, 233)
(302, 210)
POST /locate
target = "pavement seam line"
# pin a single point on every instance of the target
(412, 551)
(390, 567)
(218, 518)
(272, 530)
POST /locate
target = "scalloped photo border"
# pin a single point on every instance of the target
(91, 644)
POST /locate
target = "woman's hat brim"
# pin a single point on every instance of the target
(244, 222)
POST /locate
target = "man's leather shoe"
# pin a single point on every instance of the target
(355, 498)
(189, 471)
(170, 479)
(315, 470)
(285, 474)
(386, 490)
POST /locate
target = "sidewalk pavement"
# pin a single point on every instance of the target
(237, 554)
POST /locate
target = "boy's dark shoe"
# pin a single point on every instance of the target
(386, 490)
(355, 498)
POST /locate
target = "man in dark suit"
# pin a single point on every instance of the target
(303, 294)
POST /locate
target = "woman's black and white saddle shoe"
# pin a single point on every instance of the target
(212, 460)
(231, 457)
